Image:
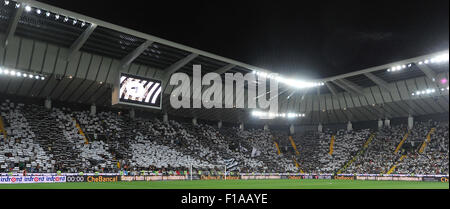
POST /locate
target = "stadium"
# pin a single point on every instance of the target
(87, 104)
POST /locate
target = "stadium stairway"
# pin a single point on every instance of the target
(297, 165)
(402, 142)
(80, 130)
(278, 148)
(361, 152)
(2, 127)
(392, 169)
(332, 145)
(427, 140)
(293, 145)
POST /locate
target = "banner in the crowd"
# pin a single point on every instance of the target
(152, 178)
(127, 178)
(92, 178)
(220, 177)
(435, 179)
(310, 177)
(164, 178)
(31, 179)
(98, 178)
(389, 178)
(74, 178)
(260, 177)
(101, 177)
(344, 177)
(169, 178)
(61, 174)
(255, 152)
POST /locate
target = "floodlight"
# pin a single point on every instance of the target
(291, 115)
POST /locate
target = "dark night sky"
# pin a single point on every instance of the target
(319, 39)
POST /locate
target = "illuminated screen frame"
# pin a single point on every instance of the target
(137, 103)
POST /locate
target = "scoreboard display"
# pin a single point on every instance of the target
(139, 91)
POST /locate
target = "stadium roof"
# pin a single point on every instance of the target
(80, 56)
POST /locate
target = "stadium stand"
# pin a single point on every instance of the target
(48, 140)
(21, 150)
(380, 154)
(434, 158)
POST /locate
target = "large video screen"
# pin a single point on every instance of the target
(140, 91)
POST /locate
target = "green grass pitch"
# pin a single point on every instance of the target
(238, 184)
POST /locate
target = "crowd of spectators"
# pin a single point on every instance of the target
(434, 158)
(20, 151)
(345, 146)
(61, 139)
(380, 155)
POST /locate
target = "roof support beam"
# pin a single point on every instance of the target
(380, 82)
(127, 60)
(348, 86)
(337, 82)
(80, 41)
(176, 66)
(224, 69)
(331, 88)
(385, 66)
(427, 71)
(352, 86)
(12, 26)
